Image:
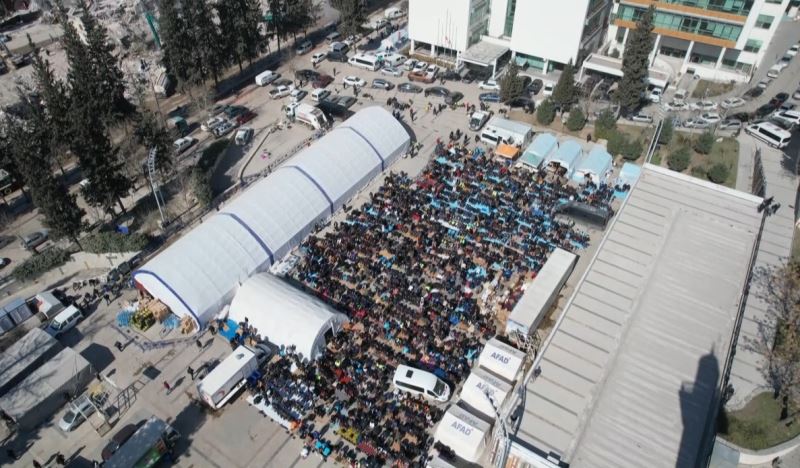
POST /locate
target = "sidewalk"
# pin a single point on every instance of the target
(775, 248)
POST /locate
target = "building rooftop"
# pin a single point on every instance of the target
(630, 374)
(483, 53)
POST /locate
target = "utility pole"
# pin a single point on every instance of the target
(151, 169)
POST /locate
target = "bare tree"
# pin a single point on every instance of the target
(778, 337)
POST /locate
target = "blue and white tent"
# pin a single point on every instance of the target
(541, 147)
(596, 164)
(567, 155)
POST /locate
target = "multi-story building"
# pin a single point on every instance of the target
(543, 35)
(714, 39)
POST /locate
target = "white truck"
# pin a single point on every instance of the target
(230, 376)
(308, 114)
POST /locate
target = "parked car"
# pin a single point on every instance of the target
(351, 80)
(695, 123)
(489, 97)
(182, 144)
(34, 239)
(339, 47)
(224, 129)
(319, 94)
(655, 95)
(422, 76)
(789, 116)
(676, 106)
(787, 106)
(297, 95)
(753, 93)
(212, 123)
(765, 110)
(779, 99)
(318, 57)
(548, 89)
(337, 57)
(243, 136)
(453, 98)
(380, 83)
(246, 117)
(764, 83)
(409, 64)
(535, 86)
(450, 75)
(5, 240)
(322, 81)
(704, 105)
(521, 101)
(346, 101)
(231, 112)
(280, 92)
(78, 411)
(304, 47)
(409, 88)
(283, 82)
(796, 94)
(391, 71)
(118, 439)
(478, 119)
(730, 124)
(490, 85)
(710, 117)
(306, 75)
(732, 103)
(793, 50)
(437, 91)
(4, 262)
(639, 117)
(420, 66)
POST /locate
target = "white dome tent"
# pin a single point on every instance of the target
(199, 273)
(285, 315)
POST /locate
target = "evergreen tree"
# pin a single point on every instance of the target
(8, 162)
(209, 54)
(278, 24)
(635, 61)
(56, 102)
(576, 120)
(667, 129)
(512, 84)
(30, 145)
(177, 40)
(605, 124)
(149, 133)
(239, 33)
(352, 16)
(565, 93)
(546, 112)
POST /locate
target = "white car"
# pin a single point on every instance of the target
(695, 123)
(489, 85)
(730, 124)
(642, 118)
(243, 136)
(409, 64)
(318, 57)
(319, 94)
(676, 106)
(298, 95)
(791, 117)
(432, 69)
(548, 89)
(732, 103)
(655, 95)
(392, 71)
(212, 123)
(224, 129)
(710, 117)
(793, 50)
(78, 411)
(419, 67)
(704, 105)
(764, 83)
(280, 91)
(796, 94)
(182, 144)
(304, 47)
(351, 80)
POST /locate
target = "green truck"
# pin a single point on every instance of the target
(146, 447)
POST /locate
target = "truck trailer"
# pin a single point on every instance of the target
(146, 447)
(23, 357)
(310, 116)
(230, 376)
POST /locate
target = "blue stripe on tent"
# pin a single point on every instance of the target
(174, 293)
(313, 181)
(377, 153)
(253, 234)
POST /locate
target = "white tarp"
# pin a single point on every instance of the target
(465, 433)
(482, 384)
(502, 359)
(199, 273)
(285, 315)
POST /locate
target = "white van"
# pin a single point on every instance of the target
(368, 62)
(500, 130)
(420, 382)
(266, 77)
(332, 37)
(769, 133)
(65, 320)
(394, 60)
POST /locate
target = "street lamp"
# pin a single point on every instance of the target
(151, 168)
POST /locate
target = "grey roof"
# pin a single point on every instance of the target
(483, 53)
(629, 374)
(23, 354)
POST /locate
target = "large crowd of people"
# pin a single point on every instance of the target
(421, 269)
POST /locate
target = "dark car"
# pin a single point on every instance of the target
(753, 93)
(535, 86)
(437, 91)
(282, 82)
(409, 88)
(118, 439)
(451, 75)
(766, 109)
(5, 240)
(246, 117)
(333, 109)
(346, 101)
(336, 56)
(521, 101)
(235, 111)
(453, 98)
(306, 75)
(20, 60)
(779, 99)
(489, 97)
(740, 116)
(4, 262)
(322, 81)
(380, 83)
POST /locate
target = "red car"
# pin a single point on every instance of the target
(246, 117)
(322, 81)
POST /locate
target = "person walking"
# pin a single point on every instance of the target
(190, 371)
(60, 460)
(198, 343)
(167, 387)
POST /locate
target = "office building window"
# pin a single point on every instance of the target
(688, 24)
(774, 1)
(764, 21)
(753, 45)
(512, 8)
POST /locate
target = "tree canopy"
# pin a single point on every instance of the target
(511, 85)
(635, 61)
(565, 94)
(352, 16)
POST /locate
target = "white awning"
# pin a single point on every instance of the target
(465, 433)
(483, 53)
(502, 359)
(480, 386)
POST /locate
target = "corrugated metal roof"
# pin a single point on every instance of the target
(629, 375)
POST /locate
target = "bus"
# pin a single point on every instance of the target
(770, 134)
(369, 62)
